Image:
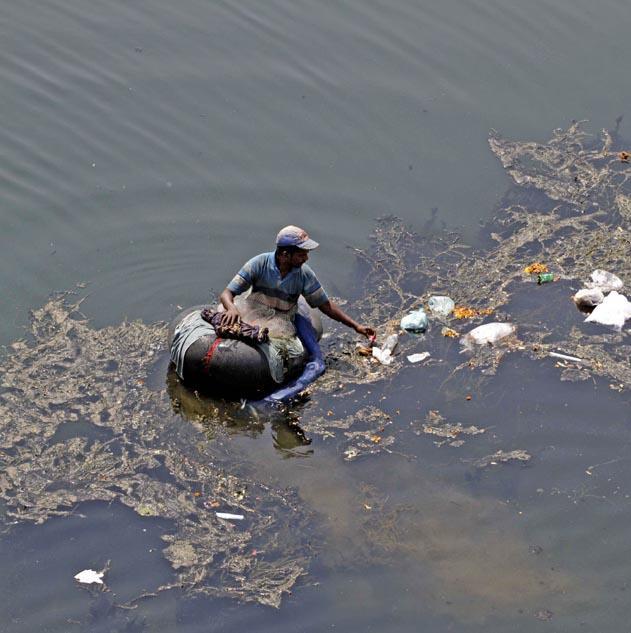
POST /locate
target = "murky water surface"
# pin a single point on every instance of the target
(149, 150)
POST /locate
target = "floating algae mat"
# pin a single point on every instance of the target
(570, 207)
(144, 457)
(80, 422)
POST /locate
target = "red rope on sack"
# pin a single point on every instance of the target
(210, 352)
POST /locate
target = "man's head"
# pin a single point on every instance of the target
(295, 236)
(292, 246)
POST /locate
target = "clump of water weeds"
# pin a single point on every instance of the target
(78, 423)
(570, 206)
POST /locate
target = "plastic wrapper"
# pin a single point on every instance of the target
(588, 297)
(605, 281)
(614, 311)
(415, 322)
(487, 334)
(441, 305)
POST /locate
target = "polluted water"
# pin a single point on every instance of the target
(359, 478)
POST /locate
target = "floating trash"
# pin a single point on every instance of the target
(90, 577)
(441, 305)
(503, 457)
(464, 312)
(417, 358)
(487, 334)
(588, 298)
(605, 281)
(416, 322)
(614, 311)
(536, 268)
(229, 516)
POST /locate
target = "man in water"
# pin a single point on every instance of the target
(277, 280)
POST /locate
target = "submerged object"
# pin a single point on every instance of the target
(233, 368)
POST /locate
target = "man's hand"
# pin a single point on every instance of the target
(368, 332)
(230, 317)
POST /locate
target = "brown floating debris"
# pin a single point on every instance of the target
(502, 457)
(449, 333)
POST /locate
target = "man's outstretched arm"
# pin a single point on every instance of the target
(336, 313)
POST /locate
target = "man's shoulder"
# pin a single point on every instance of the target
(308, 272)
(262, 259)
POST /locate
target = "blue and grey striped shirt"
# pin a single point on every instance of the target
(263, 275)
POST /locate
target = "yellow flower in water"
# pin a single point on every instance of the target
(536, 268)
(463, 312)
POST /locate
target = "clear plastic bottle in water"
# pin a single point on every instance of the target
(390, 343)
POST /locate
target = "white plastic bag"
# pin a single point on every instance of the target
(614, 310)
(90, 577)
(415, 322)
(487, 334)
(588, 297)
(605, 281)
(441, 305)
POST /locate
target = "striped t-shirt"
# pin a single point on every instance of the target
(262, 274)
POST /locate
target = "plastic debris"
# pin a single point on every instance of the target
(441, 305)
(487, 334)
(464, 312)
(536, 268)
(384, 353)
(605, 281)
(384, 356)
(449, 333)
(566, 357)
(390, 344)
(502, 457)
(362, 350)
(614, 310)
(228, 515)
(544, 278)
(588, 297)
(417, 358)
(90, 577)
(415, 322)
(624, 156)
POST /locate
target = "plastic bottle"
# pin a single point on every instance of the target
(390, 343)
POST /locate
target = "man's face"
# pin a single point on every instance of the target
(299, 258)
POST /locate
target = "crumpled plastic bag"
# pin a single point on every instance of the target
(588, 297)
(441, 305)
(487, 334)
(605, 281)
(415, 322)
(614, 310)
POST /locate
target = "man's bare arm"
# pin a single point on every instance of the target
(336, 313)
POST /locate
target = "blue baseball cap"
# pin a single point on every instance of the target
(295, 236)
